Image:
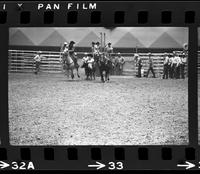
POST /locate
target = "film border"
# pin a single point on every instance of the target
(179, 18)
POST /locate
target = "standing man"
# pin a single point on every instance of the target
(37, 61)
(176, 65)
(166, 66)
(121, 63)
(84, 60)
(97, 48)
(109, 49)
(92, 47)
(170, 65)
(150, 65)
(116, 69)
(182, 65)
(138, 64)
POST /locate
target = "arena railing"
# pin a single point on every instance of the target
(22, 61)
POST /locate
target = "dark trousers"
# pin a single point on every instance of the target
(173, 71)
(139, 70)
(165, 71)
(151, 69)
(177, 72)
(37, 67)
(182, 69)
(170, 71)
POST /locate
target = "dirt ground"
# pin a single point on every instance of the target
(49, 109)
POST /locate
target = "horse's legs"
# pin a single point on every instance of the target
(67, 72)
(108, 75)
(72, 74)
(101, 73)
(77, 72)
(93, 74)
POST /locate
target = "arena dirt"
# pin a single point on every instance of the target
(50, 109)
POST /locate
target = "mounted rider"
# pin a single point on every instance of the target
(72, 54)
(64, 51)
(97, 48)
(109, 49)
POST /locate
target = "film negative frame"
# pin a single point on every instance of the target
(111, 14)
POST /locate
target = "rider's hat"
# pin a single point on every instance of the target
(39, 52)
(109, 43)
(136, 55)
(118, 53)
(85, 53)
(165, 53)
(65, 43)
(75, 53)
(97, 43)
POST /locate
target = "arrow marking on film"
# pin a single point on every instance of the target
(3, 165)
(98, 165)
(188, 165)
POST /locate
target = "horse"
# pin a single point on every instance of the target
(69, 65)
(105, 65)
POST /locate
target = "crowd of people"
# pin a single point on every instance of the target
(96, 50)
(173, 64)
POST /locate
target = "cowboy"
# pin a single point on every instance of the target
(84, 59)
(71, 51)
(150, 64)
(182, 65)
(97, 48)
(37, 61)
(176, 65)
(170, 66)
(92, 47)
(121, 63)
(166, 66)
(65, 46)
(109, 49)
(138, 64)
(90, 61)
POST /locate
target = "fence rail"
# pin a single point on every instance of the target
(22, 61)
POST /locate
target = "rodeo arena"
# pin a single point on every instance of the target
(98, 90)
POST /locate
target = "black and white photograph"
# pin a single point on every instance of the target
(98, 86)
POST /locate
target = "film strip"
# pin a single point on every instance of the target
(31, 138)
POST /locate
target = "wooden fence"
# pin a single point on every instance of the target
(22, 61)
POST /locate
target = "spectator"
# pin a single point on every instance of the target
(138, 64)
(166, 66)
(150, 65)
(182, 65)
(37, 61)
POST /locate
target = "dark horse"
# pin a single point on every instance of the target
(104, 65)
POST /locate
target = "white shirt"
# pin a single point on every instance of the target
(85, 58)
(96, 49)
(176, 60)
(37, 58)
(166, 60)
(183, 60)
